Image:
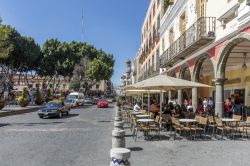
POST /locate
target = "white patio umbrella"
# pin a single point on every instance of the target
(163, 82)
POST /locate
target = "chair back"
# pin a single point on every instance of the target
(248, 119)
(157, 118)
(210, 119)
(237, 117)
(198, 118)
(218, 122)
(203, 121)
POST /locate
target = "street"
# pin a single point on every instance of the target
(81, 139)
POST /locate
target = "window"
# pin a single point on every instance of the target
(97, 86)
(163, 45)
(201, 7)
(171, 36)
(182, 23)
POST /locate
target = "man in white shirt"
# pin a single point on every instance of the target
(136, 107)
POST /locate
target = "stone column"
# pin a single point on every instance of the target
(219, 98)
(120, 156)
(194, 98)
(179, 100)
(169, 95)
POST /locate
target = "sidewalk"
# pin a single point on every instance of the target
(171, 152)
(15, 110)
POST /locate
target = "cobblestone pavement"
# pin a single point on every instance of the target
(81, 139)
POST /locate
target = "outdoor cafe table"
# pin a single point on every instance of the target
(187, 120)
(136, 113)
(228, 120)
(145, 120)
(142, 116)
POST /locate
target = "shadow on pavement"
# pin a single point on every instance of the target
(69, 116)
(4, 124)
(135, 149)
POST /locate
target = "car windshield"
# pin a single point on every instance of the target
(53, 104)
(73, 97)
(68, 101)
(88, 98)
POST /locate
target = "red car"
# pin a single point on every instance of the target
(102, 104)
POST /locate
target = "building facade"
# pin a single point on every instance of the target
(207, 41)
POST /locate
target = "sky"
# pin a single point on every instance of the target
(111, 25)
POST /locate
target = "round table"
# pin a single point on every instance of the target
(228, 120)
(142, 116)
(145, 120)
(187, 120)
(136, 113)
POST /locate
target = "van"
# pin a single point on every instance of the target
(77, 97)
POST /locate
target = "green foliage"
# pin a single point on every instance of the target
(49, 95)
(23, 99)
(38, 97)
(75, 85)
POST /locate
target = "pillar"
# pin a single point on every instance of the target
(194, 98)
(169, 95)
(219, 96)
(179, 100)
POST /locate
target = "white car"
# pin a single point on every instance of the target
(70, 102)
(77, 97)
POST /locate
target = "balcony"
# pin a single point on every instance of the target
(199, 34)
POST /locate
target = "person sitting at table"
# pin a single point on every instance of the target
(136, 107)
(199, 110)
(166, 109)
(171, 108)
(177, 109)
(154, 109)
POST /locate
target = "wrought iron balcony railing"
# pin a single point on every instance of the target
(196, 36)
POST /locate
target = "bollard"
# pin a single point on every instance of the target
(119, 156)
(118, 125)
(118, 140)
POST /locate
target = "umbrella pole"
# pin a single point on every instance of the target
(161, 99)
(142, 101)
(148, 102)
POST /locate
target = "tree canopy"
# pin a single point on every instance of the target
(78, 62)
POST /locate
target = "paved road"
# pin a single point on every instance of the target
(82, 139)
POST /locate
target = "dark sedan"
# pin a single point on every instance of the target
(53, 109)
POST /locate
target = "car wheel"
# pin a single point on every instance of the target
(41, 117)
(60, 114)
(67, 113)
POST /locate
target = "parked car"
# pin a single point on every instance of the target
(77, 97)
(55, 108)
(95, 101)
(110, 100)
(102, 104)
(70, 102)
(89, 100)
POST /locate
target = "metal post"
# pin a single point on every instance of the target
(148, 102)
(161, 98)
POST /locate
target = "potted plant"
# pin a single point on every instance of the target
(38, 97)
(23, 99)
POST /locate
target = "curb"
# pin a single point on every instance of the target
(10, 113)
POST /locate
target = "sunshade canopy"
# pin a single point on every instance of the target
(163, 82)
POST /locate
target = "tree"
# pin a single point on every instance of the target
(11, 54)
(59, 60)
(90, 71)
